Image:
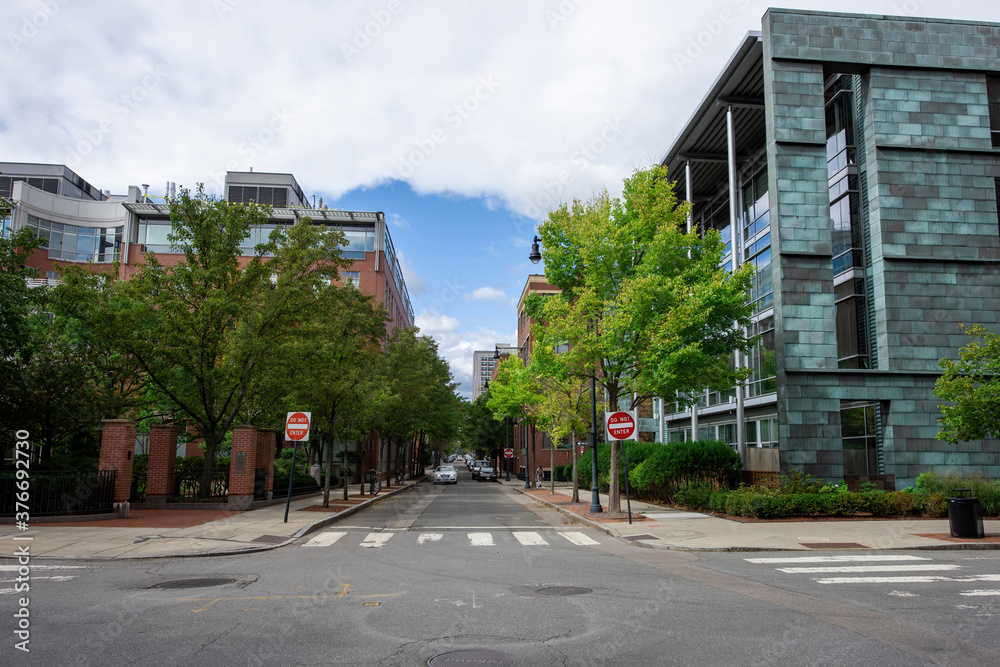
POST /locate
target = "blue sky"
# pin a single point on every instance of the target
(464, 121)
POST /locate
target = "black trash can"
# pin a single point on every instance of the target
(965, 515)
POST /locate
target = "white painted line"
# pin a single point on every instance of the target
(14, 568)
(481, 539)
(906, 580)
(869, 568)
(64, 578)
(429, 537)
(324, 539)
(984, 591)
(579, 539)
(530, 539)
(832, 559)
(376, 540)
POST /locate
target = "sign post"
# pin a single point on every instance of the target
(296, 430)
(621, 425)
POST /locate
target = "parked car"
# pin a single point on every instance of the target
(488, 473)
(445, 475)
(476, 465)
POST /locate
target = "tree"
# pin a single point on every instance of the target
(337, 376)
(645, 307)
(481, 431)
(972, 386)
(516, 395)
(211, 332)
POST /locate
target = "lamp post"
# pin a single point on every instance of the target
(595, 496)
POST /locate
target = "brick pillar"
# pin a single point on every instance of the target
(266, 440)
(162, 465)
(242, 462)
(117, 448)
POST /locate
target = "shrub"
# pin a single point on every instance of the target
(695, 495)
(677, 463)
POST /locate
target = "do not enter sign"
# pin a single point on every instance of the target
(508, 453)
(297, 426)
(620, 425)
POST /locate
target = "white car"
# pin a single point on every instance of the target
(445, 475)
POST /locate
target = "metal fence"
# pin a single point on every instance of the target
(48, 493)
(188, 486)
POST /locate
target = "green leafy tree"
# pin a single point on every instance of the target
(972, 387)
(516, 395)
(647, 308)
(481, 432)
(211, 331)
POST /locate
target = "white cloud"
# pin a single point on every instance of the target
(396, 220)
(486, 294)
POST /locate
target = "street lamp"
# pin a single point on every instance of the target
(536, 255)
(595, 496)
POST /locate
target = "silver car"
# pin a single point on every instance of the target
(445, 475)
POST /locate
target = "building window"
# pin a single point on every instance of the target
(858, 439)
(72, 243)
(46, 184)
(993, 93)
(265, 196)
(351, 278)
(852, 341)
(762, 360)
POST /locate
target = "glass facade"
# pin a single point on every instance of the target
(72, 243)
(859, 441)
(845, 216)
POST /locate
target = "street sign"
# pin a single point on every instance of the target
(508, 453)
(620, 425)
(297, 426)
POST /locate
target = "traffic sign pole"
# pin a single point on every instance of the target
(296, 429)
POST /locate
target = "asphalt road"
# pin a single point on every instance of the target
(475, 566)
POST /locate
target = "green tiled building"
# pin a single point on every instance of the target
(855, 160)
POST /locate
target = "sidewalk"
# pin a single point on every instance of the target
(187, 533)
(661, 527)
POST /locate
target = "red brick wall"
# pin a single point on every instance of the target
(265, 455)
(244, 451)
(162, 460)
(117, 448)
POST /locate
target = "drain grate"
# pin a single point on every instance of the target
(476, 656)
(833, 545)
(193, 583)
(562, 591)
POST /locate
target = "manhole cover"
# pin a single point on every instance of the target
(563, 590)
(193, 583)
(475, 656)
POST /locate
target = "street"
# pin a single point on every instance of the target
(478, 566)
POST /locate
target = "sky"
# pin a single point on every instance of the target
(465, 122)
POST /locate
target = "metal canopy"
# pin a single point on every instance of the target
(703, 139)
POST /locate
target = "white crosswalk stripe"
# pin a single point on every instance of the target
(429, 537)
(324, 539)
(530, 539)
(910, 570)
(481, 539)
(579, 539)
(376, 540)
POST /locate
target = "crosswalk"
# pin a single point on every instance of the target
(878, 569)
(377, 540)
(11, 575)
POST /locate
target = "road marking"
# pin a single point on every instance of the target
(868, 568)
(324, 539)
(579, 539)
(984, 591)
(66, 578)
(481, 539)
(429, 537)
(530, 539)
(376, 540)
(832, 559)
(906, 580)
(34, 568)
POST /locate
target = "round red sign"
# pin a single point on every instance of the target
(621, 426)
(297, 426)
(508, 453)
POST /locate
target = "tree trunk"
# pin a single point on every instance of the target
(614, 491)
(552, 470)
(205, 486)
(327, 468)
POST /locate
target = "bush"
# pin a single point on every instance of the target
(677, 463)
(695, 495)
